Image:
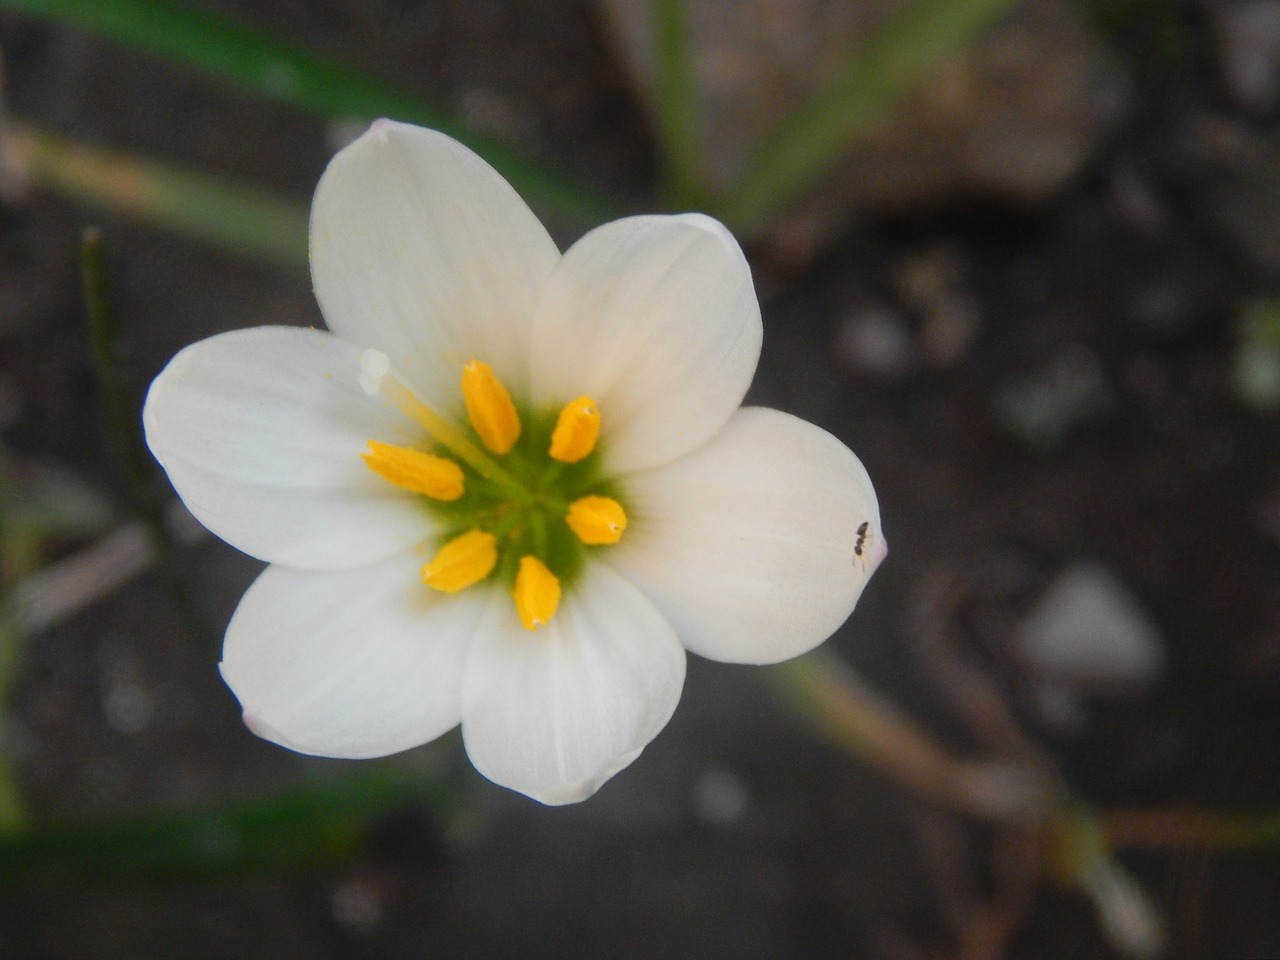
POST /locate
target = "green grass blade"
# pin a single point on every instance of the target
(12, 814)
(230, 216)
(236, 53)
(677, 107)
(888, 66)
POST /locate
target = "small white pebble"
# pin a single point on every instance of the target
(875, 341)
(357, 906)
(720, 798)
(127, 708)
(1088, 632)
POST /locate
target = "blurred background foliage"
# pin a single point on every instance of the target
(845, 115)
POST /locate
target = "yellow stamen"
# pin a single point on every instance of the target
(462, 561)
(489, 407)
(596, 520)
(377, 378)
(576, 432)
(537, 593)
(414, 470)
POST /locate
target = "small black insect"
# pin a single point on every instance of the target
(862, 539)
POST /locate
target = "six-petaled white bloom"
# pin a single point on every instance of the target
(511, 487)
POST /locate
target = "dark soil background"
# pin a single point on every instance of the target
(738, 833)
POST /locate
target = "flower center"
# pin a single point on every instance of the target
(519, 496)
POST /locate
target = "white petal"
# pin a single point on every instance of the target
(656, 319)
(352, 663)
(421, 250)
(261, 433)
(556, 713)
(748, 544)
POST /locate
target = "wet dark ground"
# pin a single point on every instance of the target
(737, 833)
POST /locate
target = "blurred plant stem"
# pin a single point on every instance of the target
(39, 505)
(1256, 372)
(1081, 856)
(118, 400)
(825, 691)
(677, 127)
(828, 693)
(12, 815)
(884, 69)
(233, 217)
(1189, 827)
(239, 54)
(123, 411)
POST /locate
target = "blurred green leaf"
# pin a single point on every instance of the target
(286, 832)
(245, 56)
(1257, 359)
(889, 65)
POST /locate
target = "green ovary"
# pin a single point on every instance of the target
(508, 525)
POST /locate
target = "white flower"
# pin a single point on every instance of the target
(418, 442)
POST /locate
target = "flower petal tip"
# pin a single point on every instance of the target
(563, 794)
(260, 728)
(714, 227)
(872, 557)
(381, 128)
(704, 222)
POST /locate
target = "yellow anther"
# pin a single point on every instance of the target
(414, 470)
(576, 432)
(596, 520)
(537, 593)
(461, 562)
(489, 407)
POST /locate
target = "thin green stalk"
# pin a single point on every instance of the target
(12, 814)
(1193, 827)
(677, 106)
(896, 59)
(236, 53)
(123, 410)
(234, 217)
(118, 401)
